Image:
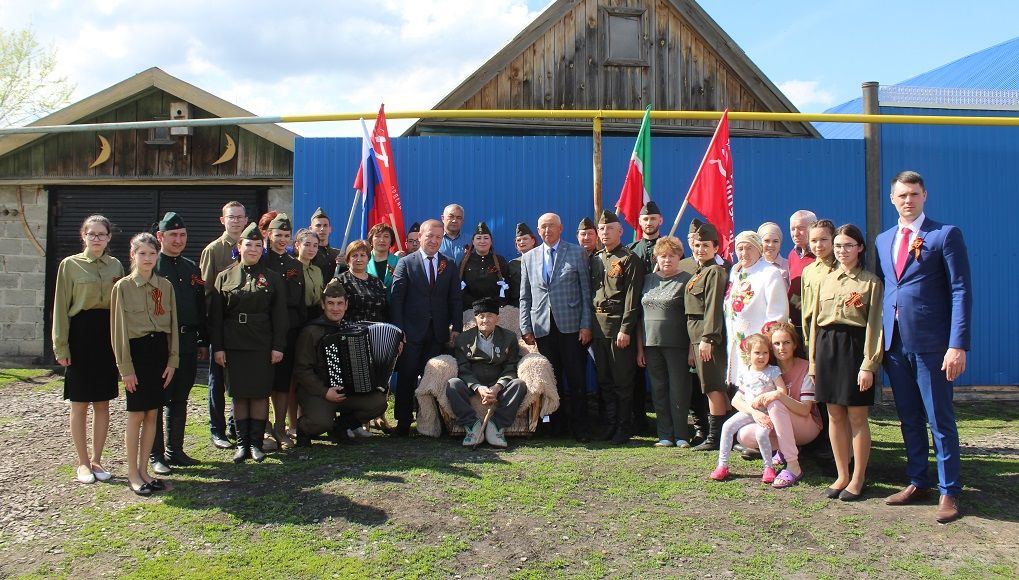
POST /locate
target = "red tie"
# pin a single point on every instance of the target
(902, 254)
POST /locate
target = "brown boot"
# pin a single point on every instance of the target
(909, 495)
(948, 509)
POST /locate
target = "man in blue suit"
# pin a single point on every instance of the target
(426, 305)
(555, 313)
(927, 306)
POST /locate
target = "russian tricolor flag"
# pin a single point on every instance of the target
(369, 182)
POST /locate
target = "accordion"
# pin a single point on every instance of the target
(360, 358)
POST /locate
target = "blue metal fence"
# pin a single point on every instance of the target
(504, 180)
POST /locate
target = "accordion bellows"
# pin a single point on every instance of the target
(360, 358)
(535, 370)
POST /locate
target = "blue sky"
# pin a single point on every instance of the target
(319, 56)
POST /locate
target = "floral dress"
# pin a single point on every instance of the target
(756, 295)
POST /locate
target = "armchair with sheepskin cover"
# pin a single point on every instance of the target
(534, 369)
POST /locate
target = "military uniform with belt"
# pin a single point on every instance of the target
(189, 292)
(485, 276)
(292, 271)
(513, 270)
(617, 278)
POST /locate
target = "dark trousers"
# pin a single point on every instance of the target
(509, 399)
(319, 415)
(616, 370)
(409, 367)
(923, 397)
(176, 401)
(217, 401)
(670, 390)
(569, 359)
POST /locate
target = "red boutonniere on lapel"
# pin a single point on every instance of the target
(261, 282)
(916, 246)
(442, 266)
(390, 269)
(197, 280)
(291, 273)
(157, 297)
(855, 300)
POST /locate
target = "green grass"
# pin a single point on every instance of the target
(426, 508)
(8, 376)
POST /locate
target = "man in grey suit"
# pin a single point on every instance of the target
(555, 313)
(426, 305)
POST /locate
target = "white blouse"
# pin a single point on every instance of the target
(756, 296)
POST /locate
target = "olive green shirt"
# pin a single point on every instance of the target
(810, 282)
(852, 298)
(617, 278)
(140, 307)
(312, 285)
(704, 302)
(83, 283)
(216, 257)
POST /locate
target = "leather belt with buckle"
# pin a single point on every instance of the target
(242, 318)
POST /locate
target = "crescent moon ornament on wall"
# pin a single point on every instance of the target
(104, 152)
(228, 153)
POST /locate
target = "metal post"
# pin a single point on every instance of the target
(872, 172)
(596, 147)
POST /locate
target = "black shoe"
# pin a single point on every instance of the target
(833, 493)
(181, 459)
(621, 437)
(847, 495)
(256, 453)
(242, 452)
(747, 453)
(607, 433)
(221, 443)
(302, 439)
(402, 429)
(157, 485)
(159, 466)
(144, 491)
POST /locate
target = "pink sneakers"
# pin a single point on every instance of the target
(769, 475)
(721, 473)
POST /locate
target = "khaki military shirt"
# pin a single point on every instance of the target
(810, 282)
(140, 307)
(617, 279)
(83, 283)
(216, 257)
(312, 285)
(852, 298)
(705, 303)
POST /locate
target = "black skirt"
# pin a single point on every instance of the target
(248, 373)
(92, 374)
(838, 355)
(149, 355)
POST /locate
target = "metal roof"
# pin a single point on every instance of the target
(992, 69)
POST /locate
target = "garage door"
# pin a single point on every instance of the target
(134, 210)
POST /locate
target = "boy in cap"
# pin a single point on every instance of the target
(325, 259)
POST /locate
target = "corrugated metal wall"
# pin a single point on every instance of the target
(505, 180)
(972, 175)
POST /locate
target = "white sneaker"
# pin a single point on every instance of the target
(663, 443)
(362, 432)
(101, 474)
(85, 475)
(494, 436)
(474, 435)
(682, 444)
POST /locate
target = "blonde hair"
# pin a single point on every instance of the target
(666, 244)
(354, 247)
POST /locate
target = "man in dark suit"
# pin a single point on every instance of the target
(487, 358)
(426, 306)
(927, 307)
(555, 313)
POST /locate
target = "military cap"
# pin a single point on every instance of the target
(280, 222)
(585, 224)
(485, 305)
(334, 289)
(252, 232)
(607, 217)
(171, 221)
(319, 214)
(695, 225)
(650, 208)
(707, 233)
(523, 230)
(414, 227)
(482, 229)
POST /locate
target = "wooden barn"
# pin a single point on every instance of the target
(50, 182)
(617, 54)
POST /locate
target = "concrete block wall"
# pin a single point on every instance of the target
(22, 273)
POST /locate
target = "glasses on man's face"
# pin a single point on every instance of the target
(234, 218)
(845, 246)
(97, 237)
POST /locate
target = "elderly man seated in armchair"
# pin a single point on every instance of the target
(486, 357)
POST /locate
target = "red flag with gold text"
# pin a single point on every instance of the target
(711, 193)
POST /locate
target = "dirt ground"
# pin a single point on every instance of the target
(611, 512)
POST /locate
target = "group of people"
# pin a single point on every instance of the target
(771, 352)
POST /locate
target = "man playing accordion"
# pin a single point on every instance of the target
(319, 396)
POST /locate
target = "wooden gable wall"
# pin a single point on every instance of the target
(68, 155)
(563, 69)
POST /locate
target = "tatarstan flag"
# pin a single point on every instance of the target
(637, 186)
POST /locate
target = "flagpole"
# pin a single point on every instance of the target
(392, 221)
(350, 219)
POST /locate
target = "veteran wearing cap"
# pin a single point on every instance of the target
(326, 257)
(587, 236)
(705, 323)
(487, 357)
(248, 326)
(319, 402)
(483, 273)
(279, 260)
(189, 293)
(617, 278)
